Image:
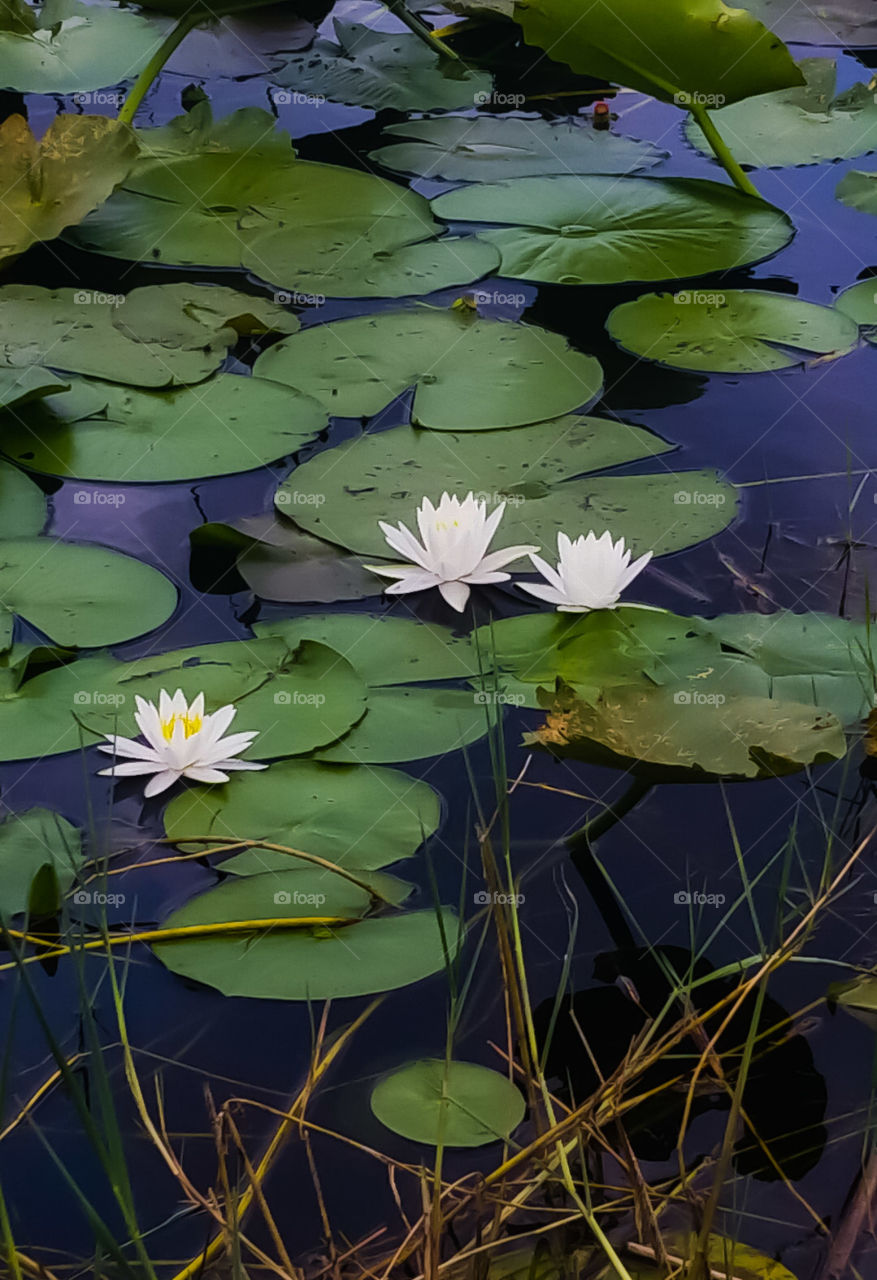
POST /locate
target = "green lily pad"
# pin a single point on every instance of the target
(354, 367)
(410, 723)
(195, 132)
(356, 817)
(317, 228)
(598, 230)
(727, 1256)
(684, 733)
(479, 148)
(101, 431)
(279, 561)
(858, 189)
(858, 997)
(380, 953)
(17, 386)
(803, 125)
(28, 842)
(675, 51)
(158, 335)
(859, 302)
(384, 650)
(538, 470)
(82, 595)
(848, 23)
(76, 47)
(738, 331)
(54, 183)
(22, 504)
(297, 701)
(452, 1104)
(369, 68)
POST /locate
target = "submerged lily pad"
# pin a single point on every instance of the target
(599, 230)
(478, 148)
(54, 183)
(384, 476)
(357, 817)
(297, 701)
(848, 23)
(82, 595)
(737, 331)
(377, 69)
(100, 431)
(673, 51)
(858, 189)
(279, 561)
(469, 372)
(380, 953)
(28, 842)
(677, 732)
(803, 125)
(455, 1104)
(859, 302)
(72, 46)
(158, 335)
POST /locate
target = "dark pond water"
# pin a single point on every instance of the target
(801, 445)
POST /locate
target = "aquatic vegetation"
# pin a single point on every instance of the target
(182, 741)
(731, 331)
(591, 573)
(453, 1104)
(453, 553)
(600, 230)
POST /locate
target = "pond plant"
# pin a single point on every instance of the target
(357, 364)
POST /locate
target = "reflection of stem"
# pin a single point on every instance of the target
(721, 149)
(593, 875)
(144, 81)
(597, 827)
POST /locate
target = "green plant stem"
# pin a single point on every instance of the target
(420, 29)
(149, 73)
(721, 150)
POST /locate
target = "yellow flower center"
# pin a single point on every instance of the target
(191, 725)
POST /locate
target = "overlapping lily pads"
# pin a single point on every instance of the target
(478, 148)
(53, 183)
(540, 470)
(358, 957)
(354, 367)
(455, 1104)
(368, 68)
(232, 199)
(101, 431)
(802, 125)
(599, 230)
(68, 46)
(364, 818)
(850, 23)
(157, 335)
(298, 701)
(736, 331)
(22, 504)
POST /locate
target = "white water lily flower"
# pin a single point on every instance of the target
(453, 552)
(181, 742)
(591, 573)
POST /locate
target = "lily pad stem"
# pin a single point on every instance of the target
(144, 81)
(597, 827)
(721, 149)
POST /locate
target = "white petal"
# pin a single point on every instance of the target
(131, 769)
(127, 747)
(549, 594)
(498, 559)
(455, 593)
(549, 574)
(238, 764)
(149, 723)
(413, 580)
(161, 782)
(201, 773)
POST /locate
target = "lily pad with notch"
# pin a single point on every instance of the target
(736, 331)
(602, 230)
(448, 1104)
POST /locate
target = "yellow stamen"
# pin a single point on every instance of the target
(191, 726)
